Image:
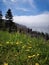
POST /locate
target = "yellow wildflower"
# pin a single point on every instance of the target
(5, 63)
(33, 55)
(30, 47)
(38, 54)
(29, 56)
(27, 50)
(36, 63)
(17, 43)
(7, 42)
(24, 46)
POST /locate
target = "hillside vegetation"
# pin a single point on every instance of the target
(9, 25)
(21, 49)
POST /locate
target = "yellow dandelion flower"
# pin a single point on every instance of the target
(27, 50)
(33, 55)
(36, 63)
(7, 42)
(17, 43)
(29, 47)
(29, 56)
(24, 46)
(5, 63)
(38, 54)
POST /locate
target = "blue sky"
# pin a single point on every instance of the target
(27, 12)
(24, 7)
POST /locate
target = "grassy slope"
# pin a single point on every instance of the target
(20, 49)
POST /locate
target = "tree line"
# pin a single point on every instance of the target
(9, 25)
(7, 22)
(8, 15)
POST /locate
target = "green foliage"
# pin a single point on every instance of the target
(1, 15)
(21, 49)
(9, 15)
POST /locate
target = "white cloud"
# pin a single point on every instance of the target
(13, 0)
(37, 20)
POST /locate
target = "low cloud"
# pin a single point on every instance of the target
(36, 20)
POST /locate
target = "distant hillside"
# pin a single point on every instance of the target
(10, 26)
(6, 24)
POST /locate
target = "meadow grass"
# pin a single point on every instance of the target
(20, 49)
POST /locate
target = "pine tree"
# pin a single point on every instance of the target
(9, 15)
(1, 19)
(9, 18)
(1, 15)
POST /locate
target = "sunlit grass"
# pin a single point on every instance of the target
(21, 49)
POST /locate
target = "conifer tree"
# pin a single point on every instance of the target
(9, 18)
(1, 19)
(1, 15)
